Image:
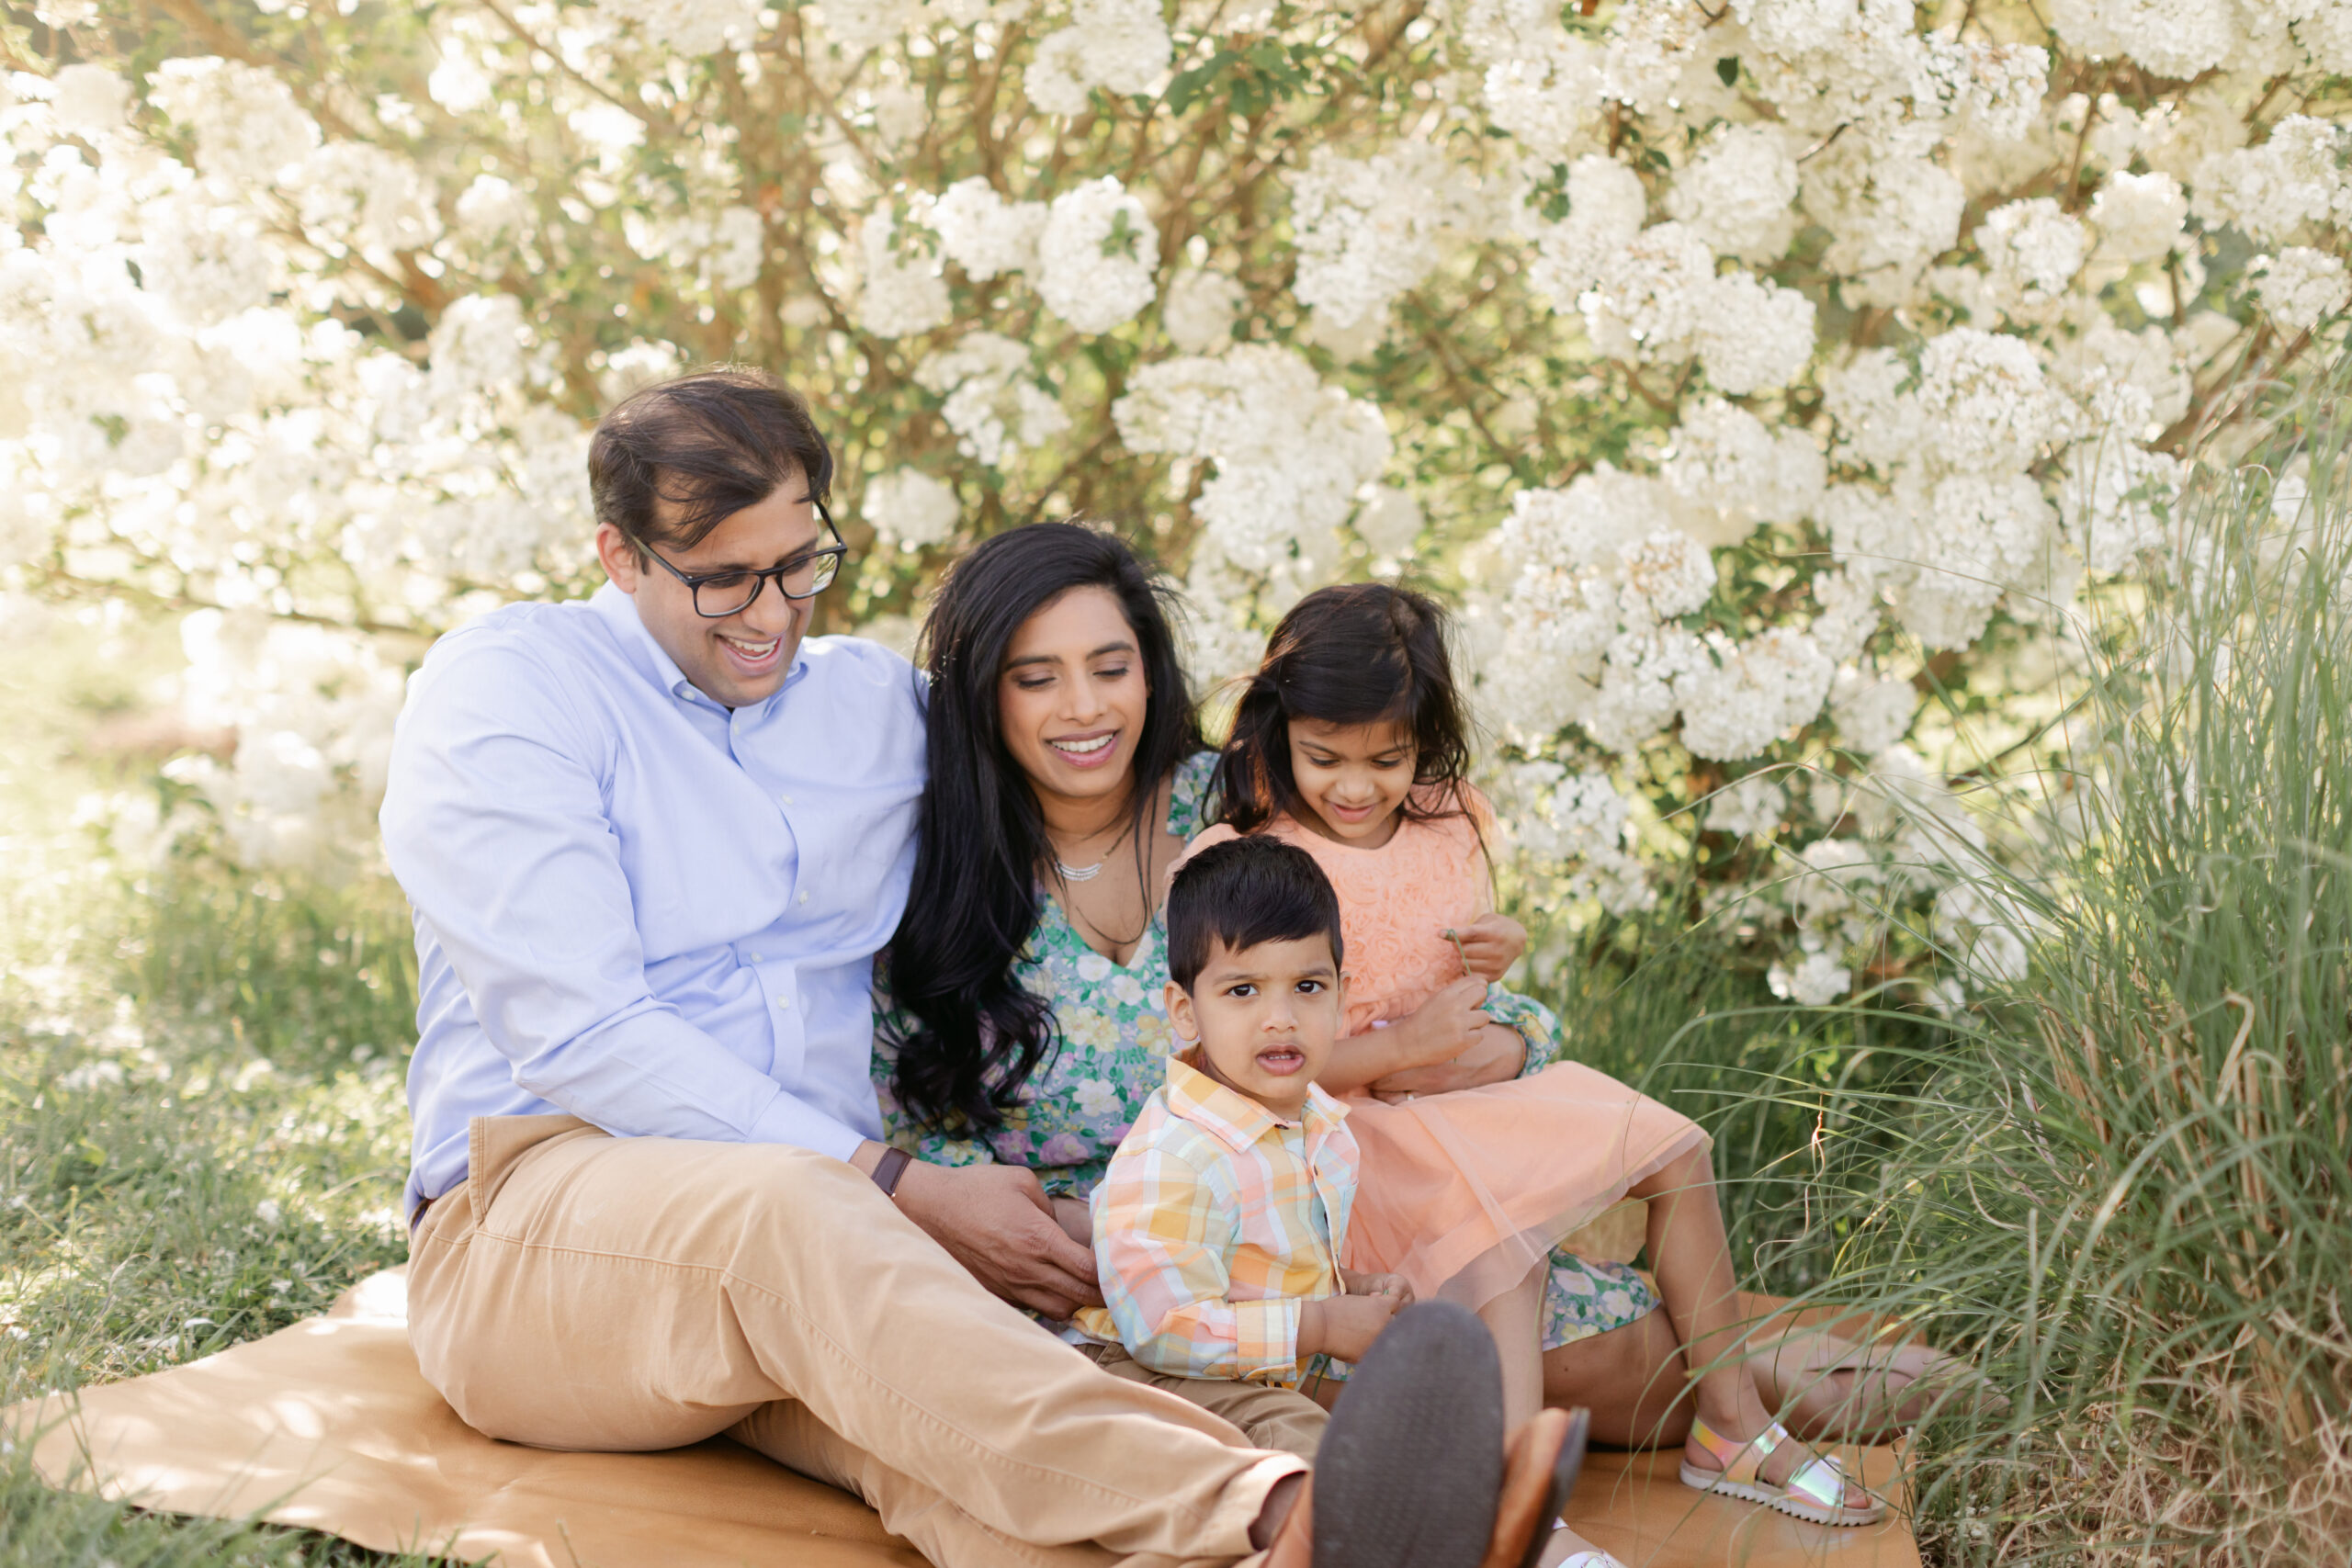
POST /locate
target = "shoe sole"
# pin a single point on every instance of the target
(1837, 1519)
(1412, 1463)
(1565, 1470)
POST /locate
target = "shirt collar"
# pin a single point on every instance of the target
(620, 610)
(1235, 1118)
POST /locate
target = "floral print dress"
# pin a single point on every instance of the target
(1112, 1053)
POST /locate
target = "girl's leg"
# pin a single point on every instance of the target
(1516, 1320)
(1633, 1380)
(1693, 1256)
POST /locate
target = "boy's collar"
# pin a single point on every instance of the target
(1233, 1116)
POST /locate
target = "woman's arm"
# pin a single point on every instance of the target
(1442, 1030)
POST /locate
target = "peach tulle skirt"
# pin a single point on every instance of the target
(1465, 1192)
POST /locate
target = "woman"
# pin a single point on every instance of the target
(1023, 1024)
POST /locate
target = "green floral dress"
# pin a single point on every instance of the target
(1112, 1053)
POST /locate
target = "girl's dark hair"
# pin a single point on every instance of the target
(975, 1033)
(710, 443)
(1358, 653)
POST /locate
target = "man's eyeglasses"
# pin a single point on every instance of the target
(718, 594)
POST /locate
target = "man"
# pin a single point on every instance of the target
(653, 842)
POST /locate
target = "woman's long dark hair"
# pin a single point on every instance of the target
(1360, 653)
(977, 1033)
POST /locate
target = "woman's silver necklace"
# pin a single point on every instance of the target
(1086, 872)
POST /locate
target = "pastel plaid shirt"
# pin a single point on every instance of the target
(1215, 1224)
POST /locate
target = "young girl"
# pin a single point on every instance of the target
(1350, 743)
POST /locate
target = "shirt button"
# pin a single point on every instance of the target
(785, 798)
(802, 899)
(782, 1003)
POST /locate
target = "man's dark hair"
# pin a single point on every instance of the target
(710, 443)
(1243, 892)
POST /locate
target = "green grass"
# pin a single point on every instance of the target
(201, 1130)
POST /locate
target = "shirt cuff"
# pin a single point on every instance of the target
(788, 1119)
(1265, 1336)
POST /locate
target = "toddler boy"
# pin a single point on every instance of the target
(1219, 1223)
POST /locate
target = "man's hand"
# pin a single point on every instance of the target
(1492, 944)
(997, 1221)
(1395, 1285)
(1343, 1326)
(1498, 1057)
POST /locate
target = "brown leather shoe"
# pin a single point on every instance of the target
(1540, 1463)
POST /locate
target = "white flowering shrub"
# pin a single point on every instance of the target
(1764, 378)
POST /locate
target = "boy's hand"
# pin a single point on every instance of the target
(1344, 1327)
(1492, 944)
(1394, 1285)
(1444, 1026)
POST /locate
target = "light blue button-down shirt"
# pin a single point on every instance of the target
(636, 906)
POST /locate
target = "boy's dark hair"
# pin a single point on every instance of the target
(1243, 892)
(710, 443)
(1358, 653)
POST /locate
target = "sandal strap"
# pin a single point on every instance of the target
(1820, 1480)
(1738, 1462)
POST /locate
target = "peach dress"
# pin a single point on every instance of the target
(1465, 1192)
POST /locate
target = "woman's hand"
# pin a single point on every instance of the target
(1499, 1056)
(1442, 1028)
(1492, 944)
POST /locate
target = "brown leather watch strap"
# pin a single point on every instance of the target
(889, 1168)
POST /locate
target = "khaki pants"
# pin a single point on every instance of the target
(1279, 1418)
(583, 1292)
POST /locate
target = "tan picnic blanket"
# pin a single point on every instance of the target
(329, 1425)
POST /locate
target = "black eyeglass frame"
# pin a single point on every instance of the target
(837, 552)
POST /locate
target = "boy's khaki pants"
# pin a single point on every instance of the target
(584, 1292)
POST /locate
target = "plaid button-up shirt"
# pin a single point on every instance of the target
(1215, 1224)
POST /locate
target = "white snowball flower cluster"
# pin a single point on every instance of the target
(1659, 300)
(2033, 251)
(985, 234)
(901, 291)
(2303, 288)
(909, 509)
(694, 27)
(1120, 45)
(993, 402)
(1740, 697)
(1542, 84)
(312, 715)
(1817, 979)
(1730, 472)
(2138, 217)
(1291, 453)
(2273, 190)
(1370, 229)
(1097, 256)
(1871, 714)
(1606, 207)
(248, 128)
(1752, 807)
(1201, 309)
(1739, 192)
(1575, 820)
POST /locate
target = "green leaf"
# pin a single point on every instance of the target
(1728, 69)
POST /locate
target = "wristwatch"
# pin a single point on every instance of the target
(889, 1168)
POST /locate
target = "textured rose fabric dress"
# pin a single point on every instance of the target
(1465, 1192)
